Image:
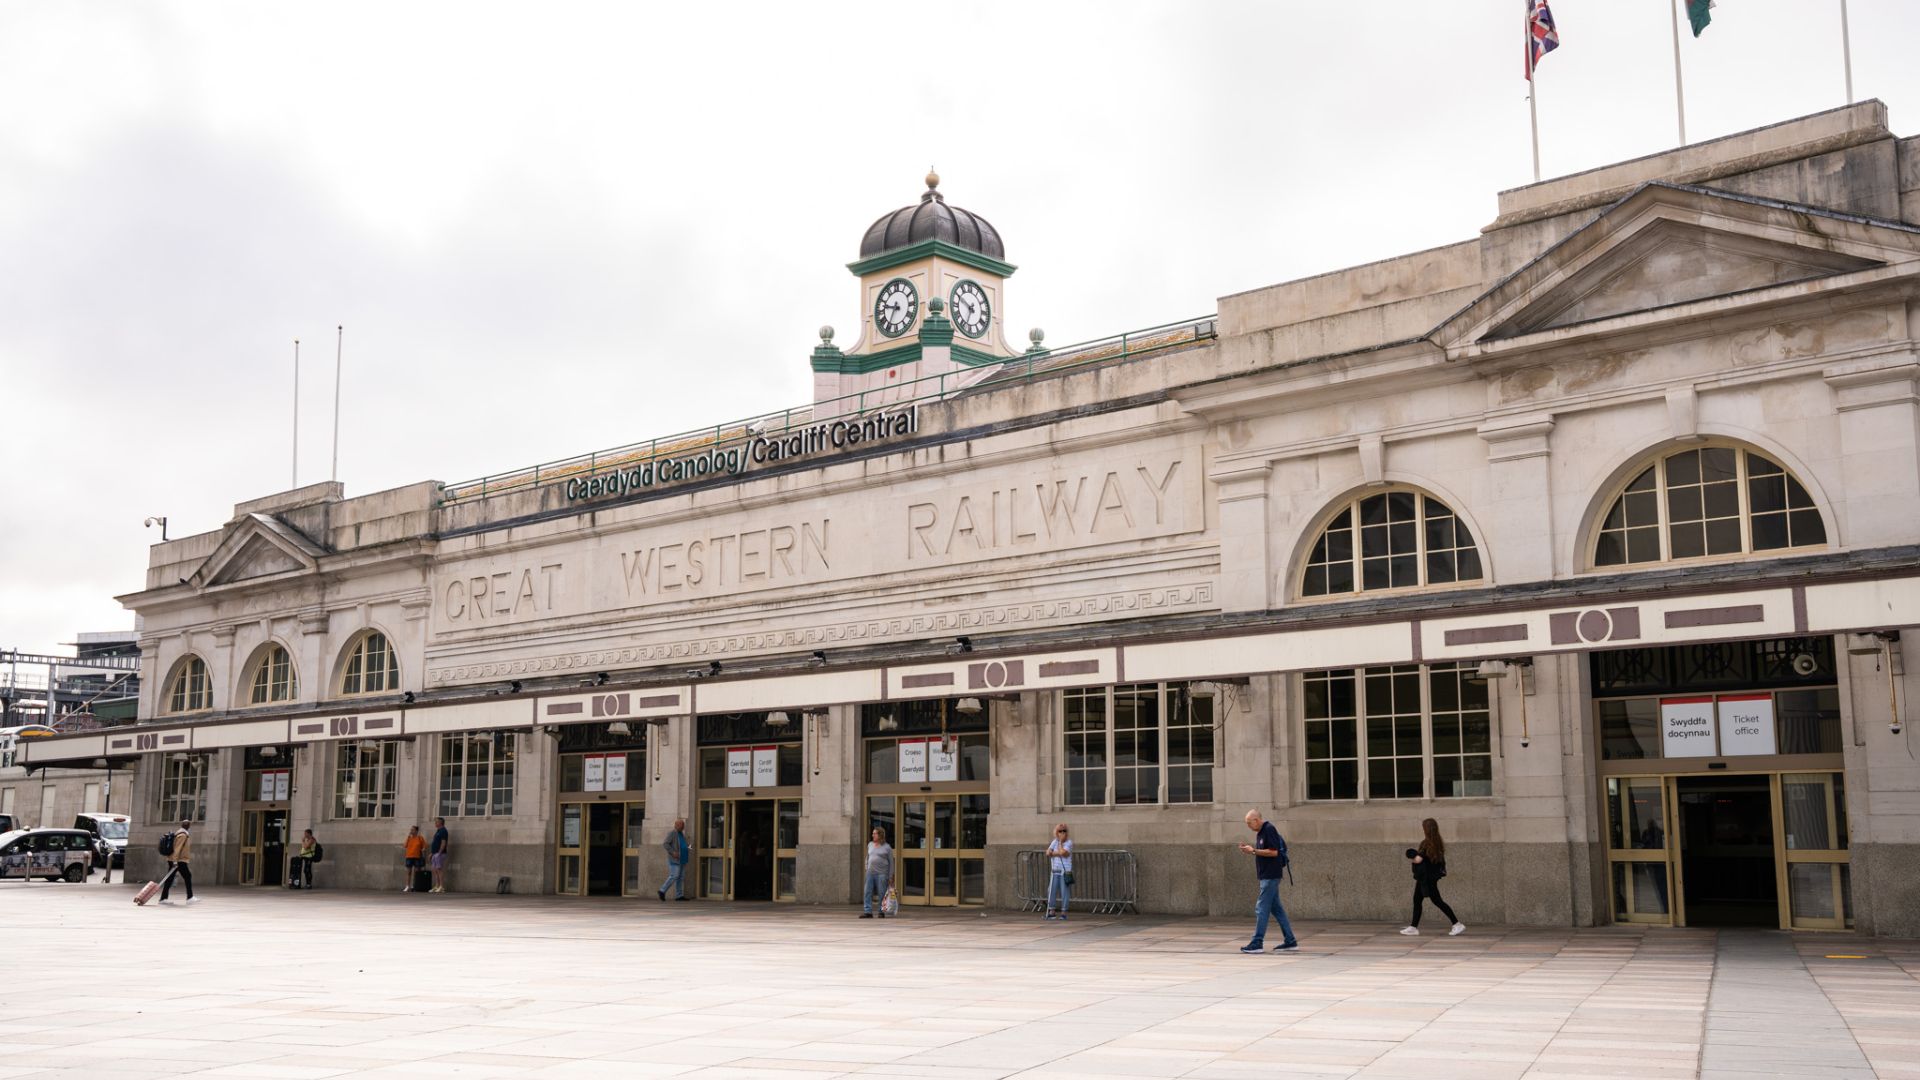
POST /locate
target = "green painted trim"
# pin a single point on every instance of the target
(887, 260)
(839, 363)
(936, 329)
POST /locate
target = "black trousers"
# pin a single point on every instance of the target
(1429, 890)
(184, 873)
(301, 872)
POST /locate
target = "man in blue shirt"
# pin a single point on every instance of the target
(437, 855)
(1269, 853)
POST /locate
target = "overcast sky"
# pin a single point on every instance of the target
(549, 229)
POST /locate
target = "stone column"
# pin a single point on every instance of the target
(1518, 509)
(1878, 400)
(830, 814)
(1246, 554)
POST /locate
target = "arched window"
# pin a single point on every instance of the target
(1390, 540)
(190, 690)
(273, 677)
(371, 667)
(1705, 501)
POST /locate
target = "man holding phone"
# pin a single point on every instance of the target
(1269, 853)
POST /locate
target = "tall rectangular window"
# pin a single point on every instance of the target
(365, 775)
(476, 774)
(1145, 743)
(1409, 730)
(183, 789)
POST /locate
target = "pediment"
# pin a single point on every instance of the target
(257, 546)
(1673, 248)
(1671, 262)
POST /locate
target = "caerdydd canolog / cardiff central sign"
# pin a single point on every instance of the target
(759, 449)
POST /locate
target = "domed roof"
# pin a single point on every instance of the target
(932, 219)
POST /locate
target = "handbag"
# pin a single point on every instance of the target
(891, 905)
(1069, 879)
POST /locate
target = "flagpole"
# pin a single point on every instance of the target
(1533, 86)
(340, 333)
(1846, 49)
(296, 414)
(1679, 90)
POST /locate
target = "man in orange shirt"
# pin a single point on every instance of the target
(416, 854)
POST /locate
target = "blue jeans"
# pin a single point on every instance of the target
(1269, 904)
(1057, 886)
(874, 893)
(676, 880)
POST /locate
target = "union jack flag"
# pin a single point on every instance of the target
(1542, 38)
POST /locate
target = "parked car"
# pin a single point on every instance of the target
(54, 854)
(109, 832)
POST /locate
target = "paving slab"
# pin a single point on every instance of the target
(267, 983)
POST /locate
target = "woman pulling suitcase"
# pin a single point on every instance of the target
(1429, 866)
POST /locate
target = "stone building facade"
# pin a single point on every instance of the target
(1590, 537)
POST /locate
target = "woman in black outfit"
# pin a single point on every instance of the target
(1429, 866)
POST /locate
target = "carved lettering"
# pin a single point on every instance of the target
(516, 593)
(711, 564)
(1048, 514)
(1056, 509)
(1158, 489)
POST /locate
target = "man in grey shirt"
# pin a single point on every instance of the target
(879, 875)
(676, 847)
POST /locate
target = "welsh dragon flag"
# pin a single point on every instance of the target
(1699, 14)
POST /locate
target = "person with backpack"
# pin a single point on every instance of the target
(1429, 866)
(677, 852)
(1269, 851)
(301, 874)
(178, 848)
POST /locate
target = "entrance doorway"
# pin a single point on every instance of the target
(748, 848)
(597, 851)
(941, 846)
(605, 846)
(263, 847)
(1727, 851)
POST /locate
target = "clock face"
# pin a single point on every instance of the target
(895, 307)
(970, 309)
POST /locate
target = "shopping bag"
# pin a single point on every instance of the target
(891, 905)
(146, 893)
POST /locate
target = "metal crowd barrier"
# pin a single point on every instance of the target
(1105, 882)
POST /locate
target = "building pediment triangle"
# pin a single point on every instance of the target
(257, 546)
(1667, 246)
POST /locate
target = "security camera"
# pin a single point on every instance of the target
(1895, 726)
(1804, 664)
(1523, 743)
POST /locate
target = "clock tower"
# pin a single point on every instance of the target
(932, 281)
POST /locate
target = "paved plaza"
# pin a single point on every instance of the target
(268, 983)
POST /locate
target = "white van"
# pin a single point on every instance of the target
(109, 833)
(54, 854)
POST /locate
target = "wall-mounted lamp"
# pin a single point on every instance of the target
(969, 705)
(619, 727)
(778, 719)
(886, 722)
(269, 752)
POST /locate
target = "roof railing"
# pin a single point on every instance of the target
(1035, 363)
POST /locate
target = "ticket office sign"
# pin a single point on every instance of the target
(1746, 724)
(1688, 727)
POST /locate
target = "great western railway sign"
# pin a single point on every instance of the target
(742, 455)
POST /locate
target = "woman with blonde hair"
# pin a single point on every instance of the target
(1429, 866)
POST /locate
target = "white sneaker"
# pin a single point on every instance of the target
(169, 903)
(193, 899)
(1410, 931)
(1458, 929)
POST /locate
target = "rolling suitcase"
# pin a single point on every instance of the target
(146, 893)
(422, 880)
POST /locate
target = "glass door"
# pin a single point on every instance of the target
(786, 847)
(943, 858)
(568, 878)
(913, 850)
(1814, 857)
(1640, 850)
(630, 850)
(714, 849)
(251, 828)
